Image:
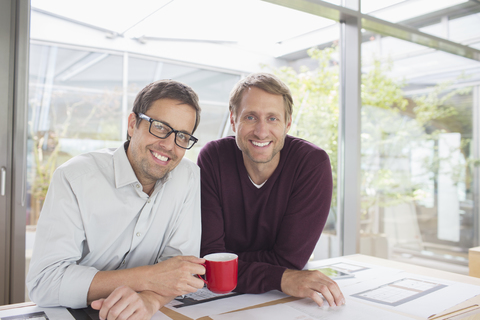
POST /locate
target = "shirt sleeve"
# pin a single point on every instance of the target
(185, 236)
(54, 278)
(303, 222)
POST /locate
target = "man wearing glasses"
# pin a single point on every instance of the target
(266, 195)
(120, 228)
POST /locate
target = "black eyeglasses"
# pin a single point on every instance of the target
(162, 130)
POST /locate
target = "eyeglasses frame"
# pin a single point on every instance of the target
(151, 120)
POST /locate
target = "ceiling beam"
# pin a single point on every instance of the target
(385, 28)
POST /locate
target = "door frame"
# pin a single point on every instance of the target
(14, 49)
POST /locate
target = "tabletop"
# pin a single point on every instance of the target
(466, 309)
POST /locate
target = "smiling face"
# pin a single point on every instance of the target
(151, 157)
(260, 126)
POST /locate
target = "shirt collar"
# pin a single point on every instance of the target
(124, 174)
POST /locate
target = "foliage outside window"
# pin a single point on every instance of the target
(393, 127)
(71, 117)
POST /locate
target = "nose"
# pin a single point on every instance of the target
(169, 142)
(261, 130)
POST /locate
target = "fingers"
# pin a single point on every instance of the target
(188, 264)
(176, 276)
(120, 304)
(194, 268)
(315, 296)
(97, 304)
(187, 278)
(196, 283)
(329, 289)
(108, 303)
(311, 284)
(324, 290)
(192, 259)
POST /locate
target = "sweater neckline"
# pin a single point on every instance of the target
(244, 173)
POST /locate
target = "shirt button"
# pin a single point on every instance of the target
(138, 186)
(149, 200)
(138, 234)
(123, 262)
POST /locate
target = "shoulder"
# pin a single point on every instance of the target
(220, 150)
(187, 169)
(304, 151)
(87, 164)
(219, 146)
(304, 161)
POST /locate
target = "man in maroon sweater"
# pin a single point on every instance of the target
(266, 195)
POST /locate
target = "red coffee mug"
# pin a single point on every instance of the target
(221, 272)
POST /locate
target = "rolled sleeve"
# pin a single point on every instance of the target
(79, 278)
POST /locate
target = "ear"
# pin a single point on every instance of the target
(232, 121)
(289, 124)
(132, 124)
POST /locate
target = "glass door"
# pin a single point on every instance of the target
(5, 8)
(14, 35)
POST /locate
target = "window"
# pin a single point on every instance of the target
(417, 191)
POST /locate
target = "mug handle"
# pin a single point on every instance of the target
(199, 276)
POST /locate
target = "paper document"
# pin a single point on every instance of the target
(29, 316)
(277, 312)
(400, 291)
(36, 313)
(222, 304)
(333, 273)
(412, 294)
(350, 310)
(201, 296)
(362, 271)
(307, 309)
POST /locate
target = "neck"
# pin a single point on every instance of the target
(260, 172)
(148, 188)
(147, 184)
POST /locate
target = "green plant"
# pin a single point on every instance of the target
(67, 120)
(394, 127)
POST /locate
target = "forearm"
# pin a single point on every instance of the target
(258, 277)
(105, 282)
(125, 303)
(168, 278)
(292, 260)
(157, 301)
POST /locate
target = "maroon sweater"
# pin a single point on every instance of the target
(272, 228)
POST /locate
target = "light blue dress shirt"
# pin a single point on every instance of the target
(96, 217)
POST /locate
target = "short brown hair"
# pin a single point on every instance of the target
(166, 89)
(267, 82)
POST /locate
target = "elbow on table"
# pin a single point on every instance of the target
(42, 295)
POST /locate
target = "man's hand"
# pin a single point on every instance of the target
(124, 303)
(308, 283)
(170, 278)
(175, 276)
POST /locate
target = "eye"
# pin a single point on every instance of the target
(250, 118)
(272, 119)
(183, 137)
(160, 127)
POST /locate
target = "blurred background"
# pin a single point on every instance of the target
(396, 82)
